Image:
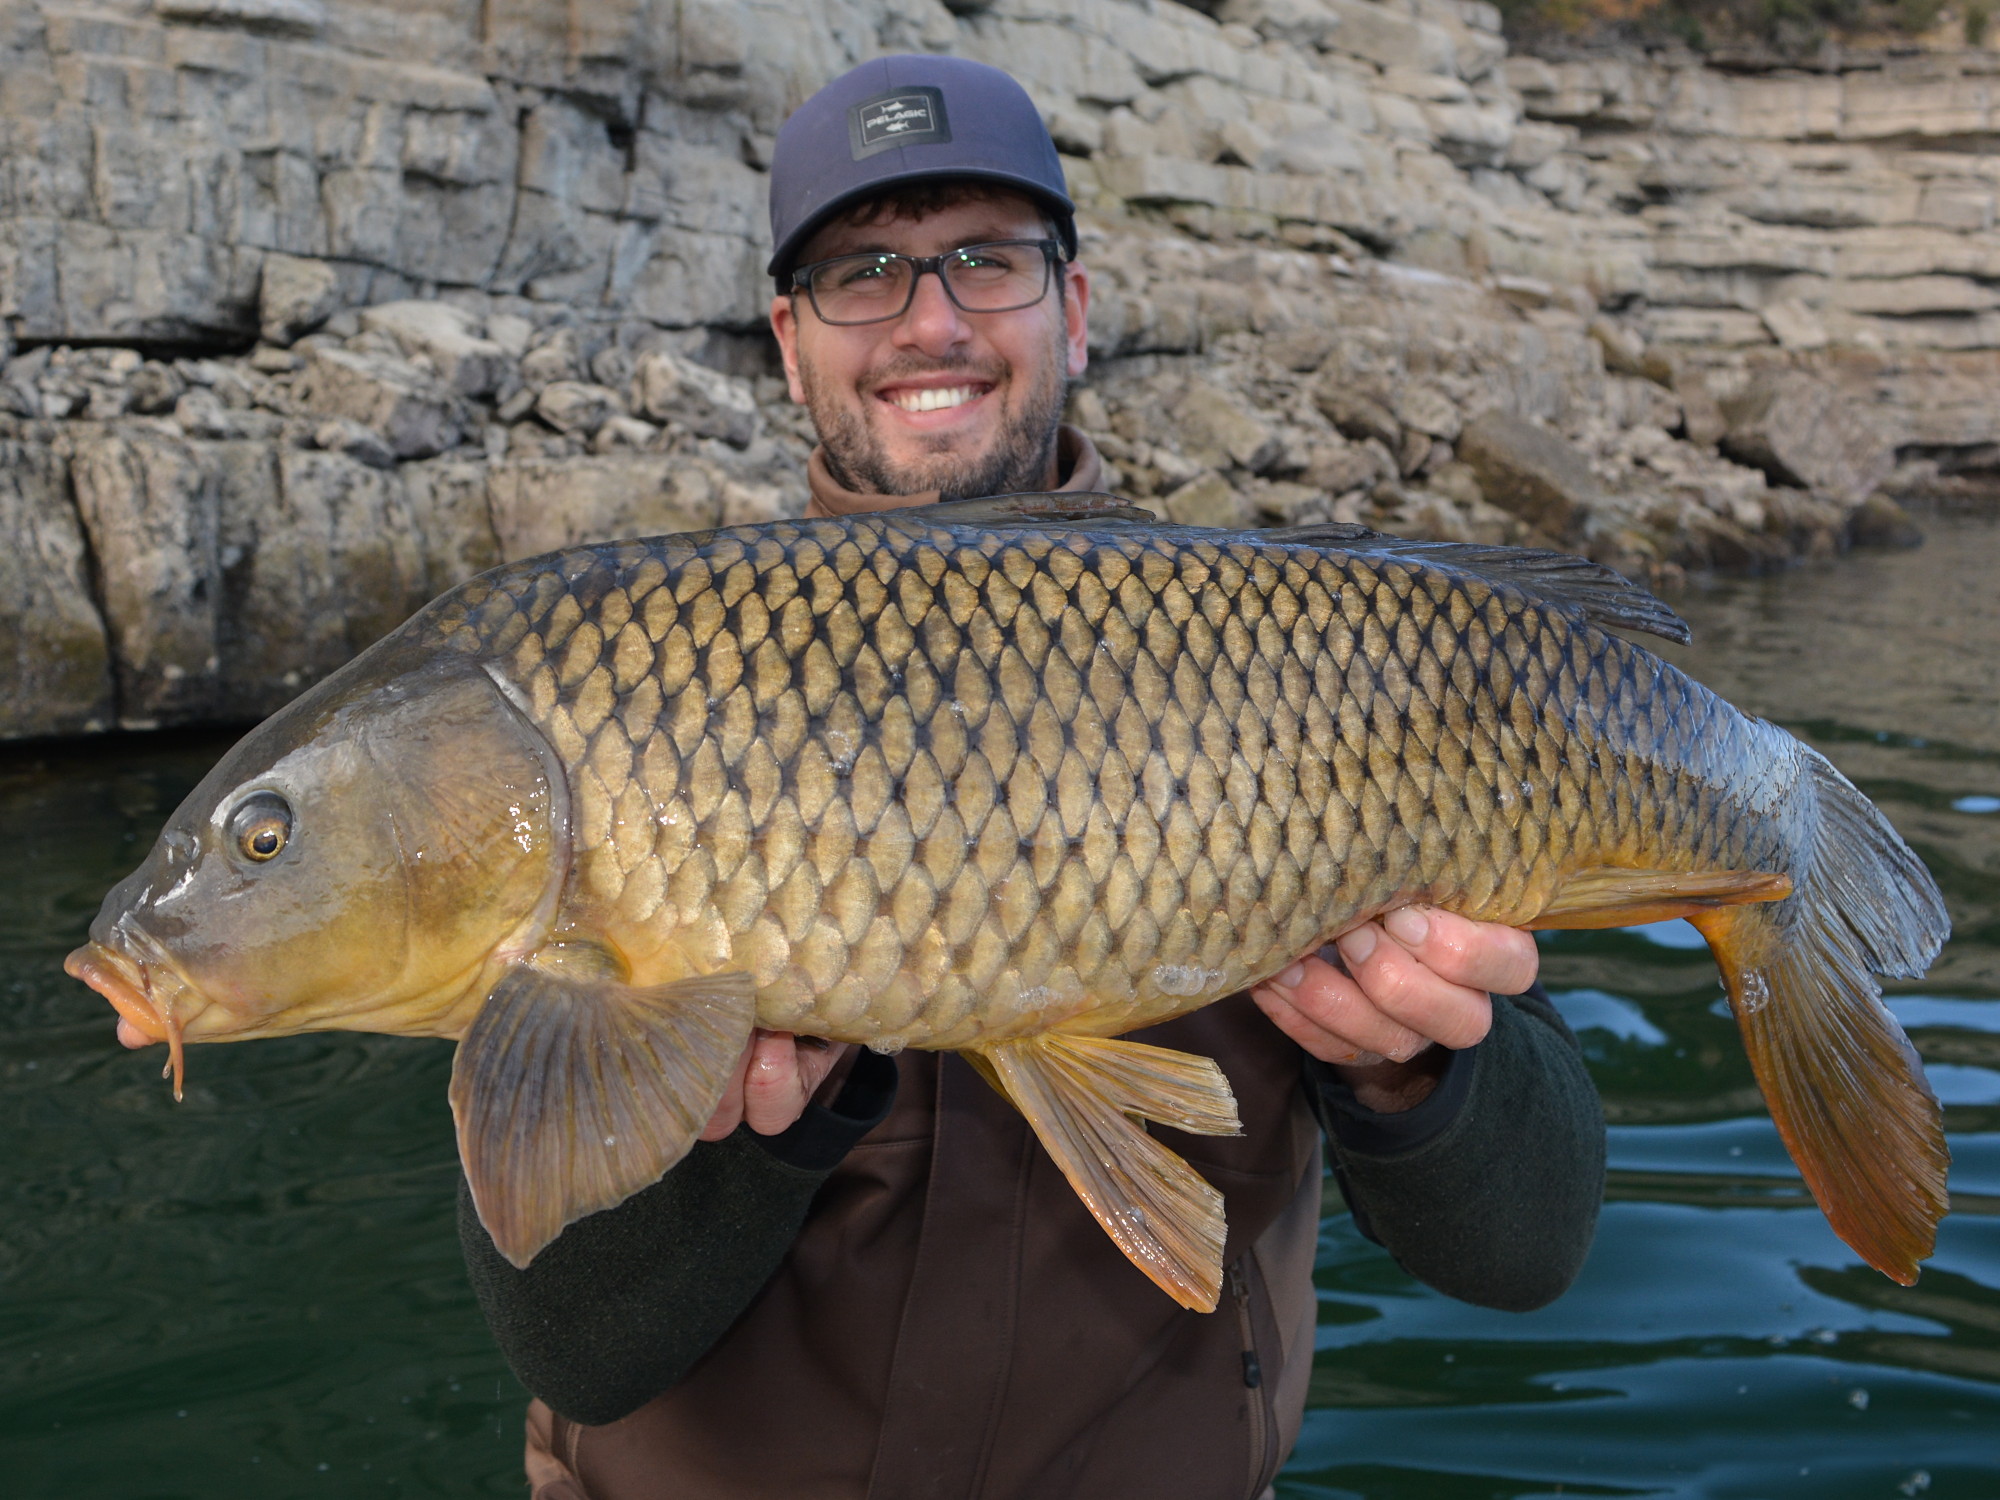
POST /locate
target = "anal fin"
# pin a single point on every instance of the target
(1085, 1097)
(1611, 896)
(572, 1092)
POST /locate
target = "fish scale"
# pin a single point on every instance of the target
(1161, 769)
(1010, 777)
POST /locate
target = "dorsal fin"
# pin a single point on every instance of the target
(1033, 508)
(1562, 578)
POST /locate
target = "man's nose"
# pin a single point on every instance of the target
(932, 322)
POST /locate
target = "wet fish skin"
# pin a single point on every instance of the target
(935, 787)
(995, 779)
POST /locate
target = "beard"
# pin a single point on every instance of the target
(1017, 459)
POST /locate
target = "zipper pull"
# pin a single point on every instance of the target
(1239, 1288)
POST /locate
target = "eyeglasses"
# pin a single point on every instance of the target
(999, 276)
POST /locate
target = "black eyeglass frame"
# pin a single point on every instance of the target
(1052, 256)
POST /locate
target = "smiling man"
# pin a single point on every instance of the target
(925, 383)
(870, 1280)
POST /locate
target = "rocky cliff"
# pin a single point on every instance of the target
(313, 309)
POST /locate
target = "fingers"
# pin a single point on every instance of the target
(1327, 1013)
(1478, 955)
(771, 1083)
(783, 1073)
(1405, 989)
(1418, 977)
(729, 1113)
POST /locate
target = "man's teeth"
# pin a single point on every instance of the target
(934, 400)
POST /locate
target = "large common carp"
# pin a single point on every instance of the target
(1010, 777)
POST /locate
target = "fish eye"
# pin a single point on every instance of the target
(261, 826)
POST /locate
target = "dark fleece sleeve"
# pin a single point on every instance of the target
(624, 1302)
(1489, 1189)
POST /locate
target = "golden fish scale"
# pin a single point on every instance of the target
(931, 786)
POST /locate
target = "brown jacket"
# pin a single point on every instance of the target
(953, 1323)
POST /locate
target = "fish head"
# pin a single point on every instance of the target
(357, 862)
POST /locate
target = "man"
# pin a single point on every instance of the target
(870, 1281)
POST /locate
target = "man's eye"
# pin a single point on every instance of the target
(986, 259)
(865, 274)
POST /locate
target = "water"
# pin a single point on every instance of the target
(1721, 1342)
(259, 1293)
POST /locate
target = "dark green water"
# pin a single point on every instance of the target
(258, 1292)
(1721, 1341)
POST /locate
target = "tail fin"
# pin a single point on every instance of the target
(1842, 1080)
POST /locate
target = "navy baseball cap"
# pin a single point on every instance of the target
(906, 119)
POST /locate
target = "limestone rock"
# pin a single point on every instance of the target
(448, 499)
(151, 519)
(1801, 431)
(201, 413)
(345, 435)
(295, 296)
(750, 504)
(1337, 467)
(1217, 430)
(669, 388)
(539, 505)
(1529, 472)
(1624, 351)
(1793, 324)
(1879, 521)
(1391, 39)
(1358, 416)
(1283, 503)
(1208, 500)
(55, 664)
(559, 356)
(1302, 23)
(297, 18)
(155, 388)
(1425, 409)
(414, 414)
(574, 406)
(328, 558)
(467, 364)
(622, 432)
(1702, 422)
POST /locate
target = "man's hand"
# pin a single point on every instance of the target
(774, 1078)
(1417, 981)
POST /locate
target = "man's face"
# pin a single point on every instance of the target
(992, 383)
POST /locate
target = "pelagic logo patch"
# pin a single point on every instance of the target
(908, 117)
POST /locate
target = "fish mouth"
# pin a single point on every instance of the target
(128, 985)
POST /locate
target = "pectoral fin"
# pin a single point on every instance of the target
(573, 1093)
(1612, 897)
(1085, 1097)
